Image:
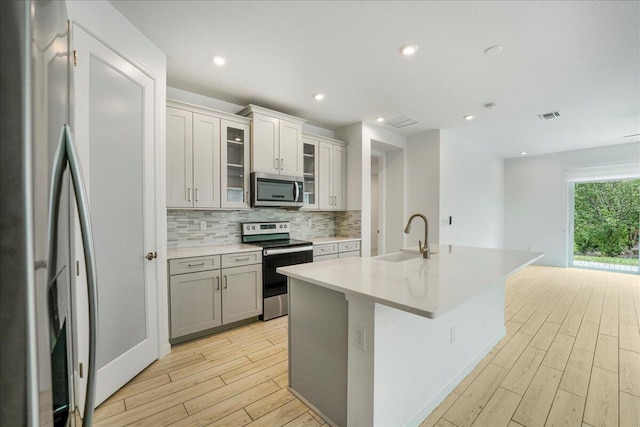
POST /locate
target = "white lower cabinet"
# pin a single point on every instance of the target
(195, 302)
(328, 251)
(211, 291)
(241, 293)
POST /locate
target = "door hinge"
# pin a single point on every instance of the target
(77, 268)
(75, 58)
(81, 369)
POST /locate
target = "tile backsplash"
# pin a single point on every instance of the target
(223, 227)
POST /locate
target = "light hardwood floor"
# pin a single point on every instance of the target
(571, 357)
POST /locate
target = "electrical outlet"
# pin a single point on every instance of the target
(453, 334)
(360, 338)
(203, 225)
(309, 222)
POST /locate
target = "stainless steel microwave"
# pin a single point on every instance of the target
(276, 190)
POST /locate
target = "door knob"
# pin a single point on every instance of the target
(151, 255)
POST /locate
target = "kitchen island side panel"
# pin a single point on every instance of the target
(318, 334)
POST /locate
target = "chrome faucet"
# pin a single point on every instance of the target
(424, 250)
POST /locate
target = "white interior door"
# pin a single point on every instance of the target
(113, 123)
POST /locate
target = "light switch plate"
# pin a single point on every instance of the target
(203, 225)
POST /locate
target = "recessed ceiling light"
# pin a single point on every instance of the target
(490, 106)
(523, 153)
(318, 96)
(469, 117)
(379, 119)
(218, 60)
(493, 50)
(408, 49)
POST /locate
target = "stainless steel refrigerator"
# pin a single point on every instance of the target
(41, 182)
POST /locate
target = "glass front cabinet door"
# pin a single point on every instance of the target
(310, 168)
(235, 164)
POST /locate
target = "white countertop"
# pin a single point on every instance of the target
(427, 287)
(173, 253)
(323, 240)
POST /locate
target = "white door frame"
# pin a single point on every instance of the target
(382, 164)
(571, 212)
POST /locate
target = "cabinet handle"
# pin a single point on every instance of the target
(225, 282)
(196, 265)
(189, 194)
(277, 163)
(243, 259)
(246, 197)
(196, 194)
(281, 164)
(217, 283)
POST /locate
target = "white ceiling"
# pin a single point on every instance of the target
(581, 58)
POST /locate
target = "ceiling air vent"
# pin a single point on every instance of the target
(548, 116)
(401, 121)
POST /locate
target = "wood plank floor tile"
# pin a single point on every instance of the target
(587, 336)
(536, 403)
(532, 326)
(202, 401)
(109, 409)
(444, 423)
(609, 324)
(238, 418)
(282, 338)
(629, 337)
(606, 355)
(203, 382)
(577, 373)
(268, 351)
(543, 339)
(498, 410)
(440, 410)
(304, 420)
(519, 377)
(225, 407)
(571, 324)
(629, 372)
(215, 368)
(465, 410)
(267, 404)
(566, 410)
(253, 368)
(601, 408)
(629, 410)
(466, 382)
(281, 415)
(510, 353)
(134, 388)
(282, 380)
(162, 418)
(559, 352)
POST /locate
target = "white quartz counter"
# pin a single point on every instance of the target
(323, 240)
(427, 287)
(173, 253)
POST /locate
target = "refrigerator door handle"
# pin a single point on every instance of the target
(67, 154)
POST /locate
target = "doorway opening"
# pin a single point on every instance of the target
(606, 225)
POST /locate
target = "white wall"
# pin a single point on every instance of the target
(536, 197)
(472, 192)
(394, 211)
(423, 185)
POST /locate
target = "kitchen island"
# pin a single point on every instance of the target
(382, 341)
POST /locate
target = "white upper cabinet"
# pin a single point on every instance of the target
(207, 158)
(179, 158)
(330, 173)
(206, 161)
(310, 172)
(276, 142)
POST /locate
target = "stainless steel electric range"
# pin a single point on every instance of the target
(278, 250)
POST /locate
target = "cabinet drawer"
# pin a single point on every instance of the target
(327, 249)
(240, 259)
(190, 265)
(324, 257)
(348, 246)
(349, 254)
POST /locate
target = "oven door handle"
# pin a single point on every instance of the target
(268, 252)
(296, 194)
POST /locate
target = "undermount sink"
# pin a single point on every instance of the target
(398, 256)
